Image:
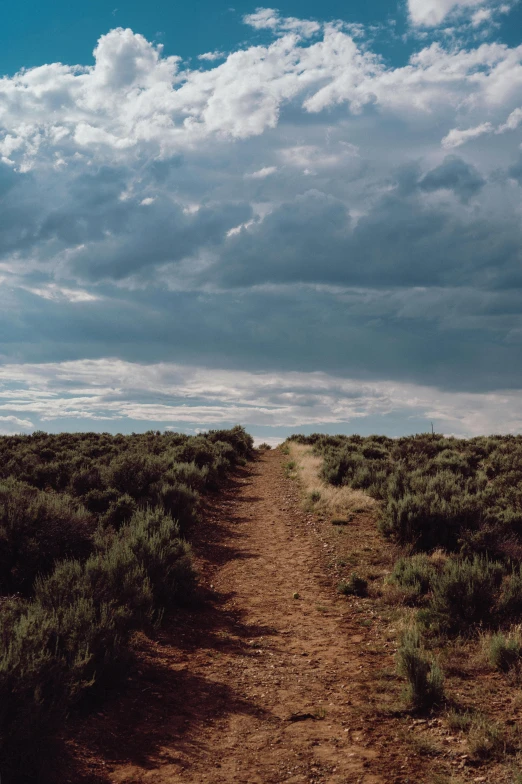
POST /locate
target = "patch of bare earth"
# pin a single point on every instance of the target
(257, 685)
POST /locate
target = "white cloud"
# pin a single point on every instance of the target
(270, 19)
(134, 101)
(429, 13)
(512, 122)
(457, 137)
(260, 174)
(481, 16)
(10, 425)
(57, 293)
(210, 57)
(311, 158)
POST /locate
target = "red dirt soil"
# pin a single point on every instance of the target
(254, 686)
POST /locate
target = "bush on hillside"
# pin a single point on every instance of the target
(37, 529)
(94, 564)
(464, 595)
(424, 676)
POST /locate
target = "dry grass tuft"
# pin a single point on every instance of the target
(334, 501)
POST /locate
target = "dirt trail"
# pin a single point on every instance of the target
(216, 700)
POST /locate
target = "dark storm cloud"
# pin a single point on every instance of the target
(456, 175)
(401, 241)
(110, 230)
(515, 171)
(154, 234)
(359, 334)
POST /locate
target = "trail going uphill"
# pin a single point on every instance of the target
(268, 683)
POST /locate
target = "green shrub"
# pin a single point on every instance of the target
(134, 473)
(79, 625)
(99, 501)
(464, 594)
(460, 495)
(180, 502)
(432, 513)
(459, 720)
(415, 574)
(505, 652)
(340, 466)
(95, 562)
(119, 511)
(355, 586)
(424, 676)
(33, 690)
(154, 539)
(53, 656)
(188, 474)
(486, 739)
(85, 480)
(37, 529)
(241, 442)
(510, 602)
(112, 577)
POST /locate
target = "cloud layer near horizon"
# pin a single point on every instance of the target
(299, 206)
(108, 394)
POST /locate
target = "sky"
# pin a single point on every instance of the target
(304, 218)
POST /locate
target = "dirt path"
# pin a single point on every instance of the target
(218, 699)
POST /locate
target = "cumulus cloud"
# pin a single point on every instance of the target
(385, 246)
(270, 19)
(12, 424)
(429, 13)
(135, 102)
(210, 57)
(455, 175)
(260, 174)
(457, 137)
(512, 122)
(481, 16)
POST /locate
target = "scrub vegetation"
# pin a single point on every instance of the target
(460, 499)
(444, 572)
(94, 533)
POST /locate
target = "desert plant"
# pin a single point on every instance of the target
(154, 539)
(180, 502)
(424, 676)
(505, 651)
(510, 601)
(414, 574)
(459, 720)
(36, 529)
(464, 594)
(355, 586)
(485, 739)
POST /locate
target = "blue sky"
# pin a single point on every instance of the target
(37, 32)
(297, 218)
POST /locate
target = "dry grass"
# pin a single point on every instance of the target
(336, 502)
